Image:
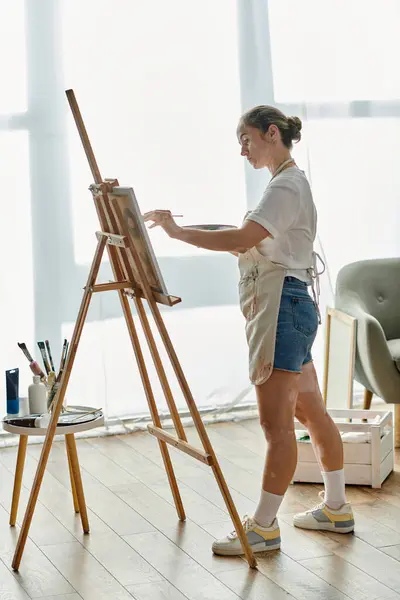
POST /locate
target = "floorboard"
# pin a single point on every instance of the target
(138, 549)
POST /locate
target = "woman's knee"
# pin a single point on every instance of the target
(277, 430)
(312, 415)
(276, 402)
(301, 416)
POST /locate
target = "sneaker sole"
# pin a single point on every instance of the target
(323, 527)
(239, 552)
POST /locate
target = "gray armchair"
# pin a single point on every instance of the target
(369, 290)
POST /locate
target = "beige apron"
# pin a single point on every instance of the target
(260, 291)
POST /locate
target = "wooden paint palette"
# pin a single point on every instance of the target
(210, 227)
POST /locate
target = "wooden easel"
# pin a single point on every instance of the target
(122, 255)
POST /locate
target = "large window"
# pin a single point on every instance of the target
(161, 86)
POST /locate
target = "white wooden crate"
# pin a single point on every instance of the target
(365, 463)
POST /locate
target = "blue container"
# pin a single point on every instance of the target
(12, 389)
(13, 407)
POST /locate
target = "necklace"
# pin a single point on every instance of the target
(282, 166)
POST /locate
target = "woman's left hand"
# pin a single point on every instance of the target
(162, 218)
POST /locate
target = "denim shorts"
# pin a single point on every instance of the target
(297, 326)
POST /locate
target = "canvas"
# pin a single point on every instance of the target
(126, 200)
(340, 351)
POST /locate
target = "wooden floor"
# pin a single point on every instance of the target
(137, 548)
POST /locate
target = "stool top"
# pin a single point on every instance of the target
(60, 429)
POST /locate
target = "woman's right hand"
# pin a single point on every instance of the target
(164, 219)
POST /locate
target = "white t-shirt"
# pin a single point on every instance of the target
(288, 212)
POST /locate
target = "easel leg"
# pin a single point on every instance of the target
(76, 476)
(152, 405)
(160, 369)
(71, 475)
(172, 480)
(233, 513)
(58, 401)
(201, 430)
(19, 470)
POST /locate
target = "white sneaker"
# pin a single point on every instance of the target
(324, 518)
(260, 539)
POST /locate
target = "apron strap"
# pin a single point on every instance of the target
(315, 286)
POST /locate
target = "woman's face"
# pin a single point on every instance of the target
(257, 146)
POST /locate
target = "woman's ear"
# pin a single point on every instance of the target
(273, 132)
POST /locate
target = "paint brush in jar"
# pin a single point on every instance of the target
(64, 353)
(50, 356)
(43, 352)
(33, 365)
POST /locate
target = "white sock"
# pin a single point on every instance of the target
(267, 508)
(335, 495)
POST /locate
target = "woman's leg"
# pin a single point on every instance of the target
(334, 514)
(277, 399)
(277, 404)
(312, 413)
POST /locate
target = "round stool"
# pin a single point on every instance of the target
(74, 470)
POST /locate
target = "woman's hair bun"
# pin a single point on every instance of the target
(295, 126)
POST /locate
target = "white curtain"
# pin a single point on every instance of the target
(161, 86)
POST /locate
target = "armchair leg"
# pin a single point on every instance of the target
(397, 425)
(367, 399)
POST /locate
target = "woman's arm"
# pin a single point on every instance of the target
(228, 240)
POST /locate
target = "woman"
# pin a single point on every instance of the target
(277, 264)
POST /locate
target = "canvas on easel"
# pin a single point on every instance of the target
(137, 276)
(125, 200)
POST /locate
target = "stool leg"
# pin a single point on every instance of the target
(73, 455)
(23, 440)
(73, 488)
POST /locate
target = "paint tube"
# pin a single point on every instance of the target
(35, 420)
(12, 390)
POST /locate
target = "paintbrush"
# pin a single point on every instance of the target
(168, 212)
(56, 384)
(85, 414)
(52, 393)
(43, 352)
(33, 365)
(64, 354)
(50, 356)
(25, 351)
